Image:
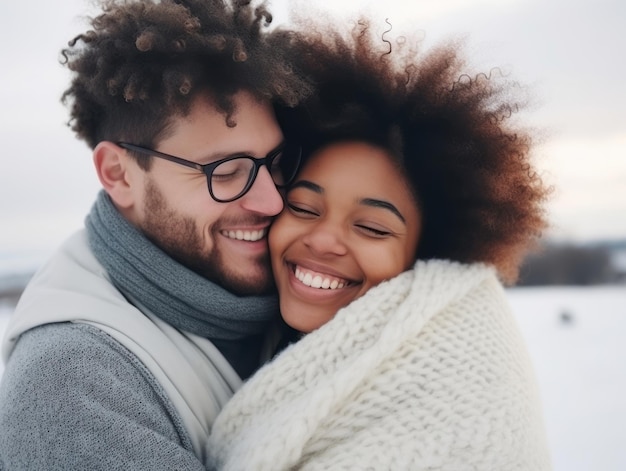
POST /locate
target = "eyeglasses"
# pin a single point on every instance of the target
(231, 178)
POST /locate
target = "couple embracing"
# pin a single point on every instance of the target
(296, 260)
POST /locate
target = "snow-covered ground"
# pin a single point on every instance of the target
(581, 367)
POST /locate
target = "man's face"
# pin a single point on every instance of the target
(224, 242)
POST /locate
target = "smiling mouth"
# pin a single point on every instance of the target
(314, 279)
(248, 236)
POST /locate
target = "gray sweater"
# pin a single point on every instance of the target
(81, 401)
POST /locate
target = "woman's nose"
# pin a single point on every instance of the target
(326, 238)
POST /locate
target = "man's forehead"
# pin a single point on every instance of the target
(208, 133)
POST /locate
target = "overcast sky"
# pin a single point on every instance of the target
(570, 51)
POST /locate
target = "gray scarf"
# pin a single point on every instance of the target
(184, 299)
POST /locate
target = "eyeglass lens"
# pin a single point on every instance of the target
(232, 178)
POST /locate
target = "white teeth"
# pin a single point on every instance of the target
(251, 236)
(317, 281)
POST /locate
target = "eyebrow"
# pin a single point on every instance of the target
(308, 185)
(223, 155)
(384, 205)
(374, 203)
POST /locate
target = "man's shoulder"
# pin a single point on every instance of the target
(72, 395)
(68, 373)
(70, 354)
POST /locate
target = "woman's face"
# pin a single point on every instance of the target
(349, 223)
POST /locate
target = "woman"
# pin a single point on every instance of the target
(406, 160)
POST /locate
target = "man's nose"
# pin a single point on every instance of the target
(263, 196)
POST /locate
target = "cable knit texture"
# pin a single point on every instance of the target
(425, 372)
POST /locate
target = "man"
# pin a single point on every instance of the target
(127, 343)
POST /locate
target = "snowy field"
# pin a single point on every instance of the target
(581, 368)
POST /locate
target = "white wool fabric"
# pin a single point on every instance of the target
(427, 371)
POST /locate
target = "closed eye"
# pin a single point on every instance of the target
(232, 169)
(373, 231)
(300, 211)
(232, 174)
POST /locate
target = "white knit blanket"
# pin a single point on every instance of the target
(425, 372)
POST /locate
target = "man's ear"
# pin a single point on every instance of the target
(115, 170)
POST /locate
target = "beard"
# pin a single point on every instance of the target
(180, 238)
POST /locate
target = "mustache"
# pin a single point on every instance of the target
(248, 220)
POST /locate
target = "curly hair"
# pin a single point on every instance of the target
(144, 61)
(451, 133)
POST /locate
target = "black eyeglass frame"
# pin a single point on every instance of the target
(208, 169)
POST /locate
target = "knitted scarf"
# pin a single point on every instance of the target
(425, 372)
(179, 296)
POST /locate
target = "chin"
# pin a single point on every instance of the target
(241, 287)
(262, 283)
(242, 278)
(305, 321)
